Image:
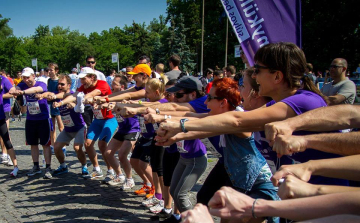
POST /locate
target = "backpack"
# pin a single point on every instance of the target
(16, 108)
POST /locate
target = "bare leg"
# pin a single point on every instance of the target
(80, 153)
(58, 151)
(89, 147)
(102, 146)
(113, 147)
(35, 153)
(124, 151)
(47, 154)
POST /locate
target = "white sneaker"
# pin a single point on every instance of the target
(4, 159)
(117, 180)
(158, 207)
(9, 162)
(150, 202)
(14, 172)
(128, 184)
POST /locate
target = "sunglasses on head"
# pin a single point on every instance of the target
(92, 62)
(61, 84)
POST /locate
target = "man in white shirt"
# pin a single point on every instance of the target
(44, 76)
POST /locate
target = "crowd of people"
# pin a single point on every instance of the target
(285, 148)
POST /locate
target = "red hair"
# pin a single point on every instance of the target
(229, 89)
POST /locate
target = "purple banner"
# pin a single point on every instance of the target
(260, 22)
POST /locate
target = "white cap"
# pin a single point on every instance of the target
(27, 71)
(123, 70)
(85, 71)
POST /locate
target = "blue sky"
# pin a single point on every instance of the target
(84, 15)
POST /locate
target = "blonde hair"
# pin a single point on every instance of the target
(160, 67)
(156, 84)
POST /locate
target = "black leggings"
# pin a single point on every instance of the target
(4, 133)
(217, 178)
(156, 158)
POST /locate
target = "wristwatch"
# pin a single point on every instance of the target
(157, 111)
(182, 122)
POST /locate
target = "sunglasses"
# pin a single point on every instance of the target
(92, 62)
(258, 67)
(335, 66)
(209, 97)
(61, 84)
(179, 95)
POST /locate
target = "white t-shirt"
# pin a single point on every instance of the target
(43, 79)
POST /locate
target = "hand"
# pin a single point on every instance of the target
(168, 129)
(99, 100)
(274, 129)
(96, 106)
(39, 96)
(127, 112)
(228, 203)
(150, 110)
(18, 92)
(160, 141)
(301, 171)
(153, 118)
(199, 214)
(287, 145)
(70, 105)
(293, 187)
(57, 104)
(111, 106)
(51, 97)
(89, 101)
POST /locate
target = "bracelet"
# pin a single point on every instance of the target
(157, 111)
(107, 100)
(253, 207)
(54, 97)
(182, 122)
(140, 102)
(167, 117)
(23, 92)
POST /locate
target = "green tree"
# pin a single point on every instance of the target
(5, 30)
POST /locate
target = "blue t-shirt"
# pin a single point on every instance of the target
(301, 102)
(72, 120)
(4, 105)
(36, 109)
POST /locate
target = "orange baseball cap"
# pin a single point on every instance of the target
(141, 68)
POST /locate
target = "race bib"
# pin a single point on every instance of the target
(98, 114)
(119, 118)
(180, 146)
(33, 108)
(142, 125)
(67, 121)
(210, 147)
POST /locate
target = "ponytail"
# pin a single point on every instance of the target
(309, 85)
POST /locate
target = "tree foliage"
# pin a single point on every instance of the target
(329, 30)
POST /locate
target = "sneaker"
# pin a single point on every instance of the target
(14, 172)
(150, 202)
(163, 214)
(172, 219)
(128, 184)
(158, 207)
(47, 174)
(143, 191)
(8, 161)
(96, 174)
(4, 159)
(117, 180)
(84, 171)
(151, 193)
(109, 177)
(61, 170)
(33, 171)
